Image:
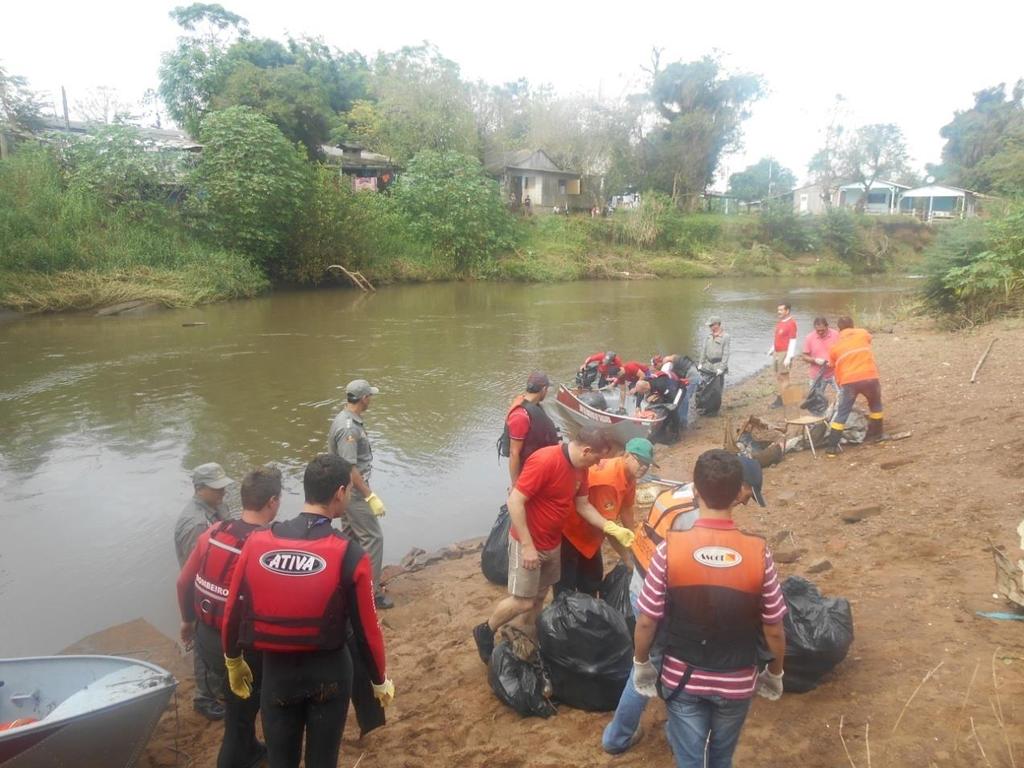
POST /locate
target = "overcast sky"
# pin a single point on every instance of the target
(909, 62)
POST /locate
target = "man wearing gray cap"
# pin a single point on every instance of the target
(348, 439)
(205, 508)
(715, 354)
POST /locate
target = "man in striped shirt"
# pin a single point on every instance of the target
(715, 591)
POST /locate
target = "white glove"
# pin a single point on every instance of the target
(718, 371)
(645, 678)
(769, 685)
(819, 361)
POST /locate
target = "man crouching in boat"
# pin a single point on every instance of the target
(662, 391)
(203, 587)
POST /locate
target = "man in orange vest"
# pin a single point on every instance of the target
(856, 374)
(612, 493)
(676, 509)
(714, 593)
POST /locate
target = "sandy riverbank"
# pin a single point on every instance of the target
(916, 572)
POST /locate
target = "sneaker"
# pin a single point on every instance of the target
(383, 602)
(211, 709)
(637, 735)
(484, 637)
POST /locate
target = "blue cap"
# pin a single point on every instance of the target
(754, 477)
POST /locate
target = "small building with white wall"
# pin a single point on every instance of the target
(937, 201)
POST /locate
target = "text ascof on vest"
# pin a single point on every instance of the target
(292, 563)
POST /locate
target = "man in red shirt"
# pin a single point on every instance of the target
(631, 373)
(607, 364)
(551, 486)
(783, 349)
(527, 426)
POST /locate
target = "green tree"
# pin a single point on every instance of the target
(421, 103)
(763, 179)
(116, 166)
(250, 186)
(454, 207)
(288, 96)
(825, 165)
(702, 111)
(20, 107)
(194, 71)
(875, 152)
(983, 149)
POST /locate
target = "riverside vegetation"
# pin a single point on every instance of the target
(91, 220)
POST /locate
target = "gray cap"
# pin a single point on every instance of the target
(714, 320)
(211, 475)
(360, 388)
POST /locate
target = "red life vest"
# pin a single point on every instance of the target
(216, 569)
(294, 590)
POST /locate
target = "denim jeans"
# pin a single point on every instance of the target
(626, 720)
(692, 719)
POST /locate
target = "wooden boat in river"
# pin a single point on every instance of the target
(622, 427)
(82, 711)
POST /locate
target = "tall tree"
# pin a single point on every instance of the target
(983, 144)
(825, 165)
(702, 110)
(20, 107)
(193, 72)
(763, 179)
(874, 152)
(103, 105)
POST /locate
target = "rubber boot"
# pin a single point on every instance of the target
(832, 442)
(874, 433)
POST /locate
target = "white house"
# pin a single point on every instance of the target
(883, 198)
(937, 201)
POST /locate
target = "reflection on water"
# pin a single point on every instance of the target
(100, 418)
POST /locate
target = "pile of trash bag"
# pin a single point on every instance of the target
(494, 556)
(587, 651)
(519, 683)
(615, 591)
(819, 632)
(708, 400)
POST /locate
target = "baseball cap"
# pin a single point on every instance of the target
(211, 475)
(753, 476)
(642, 449)
(360, 388)
(537, 381)
(714, 320)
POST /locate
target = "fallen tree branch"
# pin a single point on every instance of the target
(845, 748)
(982, 361)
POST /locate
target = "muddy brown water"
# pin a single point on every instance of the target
(101, 418)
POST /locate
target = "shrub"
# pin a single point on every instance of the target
(783, 230)
(452, 206)
(250, 186)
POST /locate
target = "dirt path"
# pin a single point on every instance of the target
(916, 571)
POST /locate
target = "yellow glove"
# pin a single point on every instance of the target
(239, 676)
(376, 505)
(622, 535)
(385, 692)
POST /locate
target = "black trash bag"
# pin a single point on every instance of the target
(615, 591)
(819, 632)
(816, 402)
(518, 683)
(494, 557)
(587, 651)
(708, 400)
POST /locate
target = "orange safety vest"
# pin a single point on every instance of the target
(715, 580)
(666, 509)
(611, 488)
(852, 358)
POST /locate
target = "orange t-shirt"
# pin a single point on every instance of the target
(612, 488)
(852, 358)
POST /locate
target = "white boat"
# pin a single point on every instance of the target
(80, 711)
(620, 426)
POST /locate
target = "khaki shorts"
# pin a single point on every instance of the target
(535, 583)
(780, 364)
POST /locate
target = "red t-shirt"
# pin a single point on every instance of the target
(632, 372)
(784, 331)
(551, 485)
(518, 421)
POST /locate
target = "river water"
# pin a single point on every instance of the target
(101, 418)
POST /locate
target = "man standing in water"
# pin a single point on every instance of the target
(205, 508)
(348, 439)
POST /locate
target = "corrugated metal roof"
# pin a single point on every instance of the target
(937, 190)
